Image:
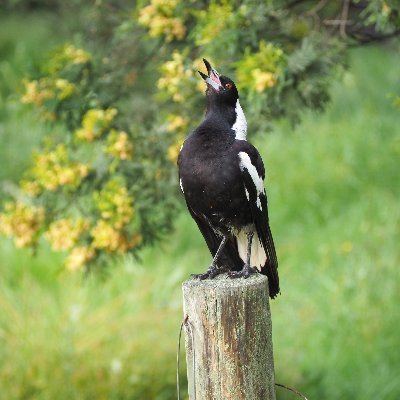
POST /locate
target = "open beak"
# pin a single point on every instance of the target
(212, 79)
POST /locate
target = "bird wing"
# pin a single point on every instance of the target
(253, 174)
(229, 257)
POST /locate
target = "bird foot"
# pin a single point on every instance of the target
(211, 273)
(244, 273)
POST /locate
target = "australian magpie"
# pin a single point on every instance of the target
(221, 176)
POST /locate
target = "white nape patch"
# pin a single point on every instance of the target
(240, 125)
(181, 147)
(245, 162)
(180, 184)
(247, 194)
(257, 256)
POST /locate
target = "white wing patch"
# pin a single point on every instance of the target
(245, 162)
(240, 125)
(180, 184)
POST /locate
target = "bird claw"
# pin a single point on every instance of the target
(201, 277)
(244, 273)
(211, 273)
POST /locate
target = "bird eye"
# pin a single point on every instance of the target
(228, 85)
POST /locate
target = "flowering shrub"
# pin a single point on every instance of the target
(90, 192)
(258, 71)
(159, 17)
(119, 107)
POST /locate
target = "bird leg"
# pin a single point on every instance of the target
(213, 270)
(247, 270)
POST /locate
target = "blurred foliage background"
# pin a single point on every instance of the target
(95, 100)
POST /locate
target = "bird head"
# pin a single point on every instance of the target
(220, 88)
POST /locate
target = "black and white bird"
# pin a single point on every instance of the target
(222, 178)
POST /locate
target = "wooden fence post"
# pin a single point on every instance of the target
(231, 325)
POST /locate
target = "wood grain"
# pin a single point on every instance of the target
(232, 330)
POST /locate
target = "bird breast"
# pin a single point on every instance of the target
(214, 188)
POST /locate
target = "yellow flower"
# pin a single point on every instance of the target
(65, 88)
(75, 55)
(263, 79)
(82, 170)
(211, 22)
(66, 176)
(22, 222)
(94, 123)
(36, 92)
(176, 123)
(176, 79)
(176, 29)
(119, 146)
(146, 14)
(114, 203)
(31, 92)
(32, 188)
(106, 237)
(79, 257)
(385, 9)
(63, 234)
(166, 4)
(260, 70)
(159, 18)
(66, 56)
(54, 169)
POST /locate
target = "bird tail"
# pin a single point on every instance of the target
(270, 267)
(257, 255)
(263, 255)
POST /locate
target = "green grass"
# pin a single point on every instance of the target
(334, 191)
(333, 188)
(62, 338)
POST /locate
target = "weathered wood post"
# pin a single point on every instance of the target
(231, 324)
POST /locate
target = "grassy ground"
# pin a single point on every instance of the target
(333, 186)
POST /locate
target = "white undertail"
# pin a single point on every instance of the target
(258, 256)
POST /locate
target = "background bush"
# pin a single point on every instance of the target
(120, 98)
(333, 190)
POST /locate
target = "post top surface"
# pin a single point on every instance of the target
(224, 282)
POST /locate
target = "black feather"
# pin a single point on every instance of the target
(260, 217)
(229, 258)
(214, 180)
